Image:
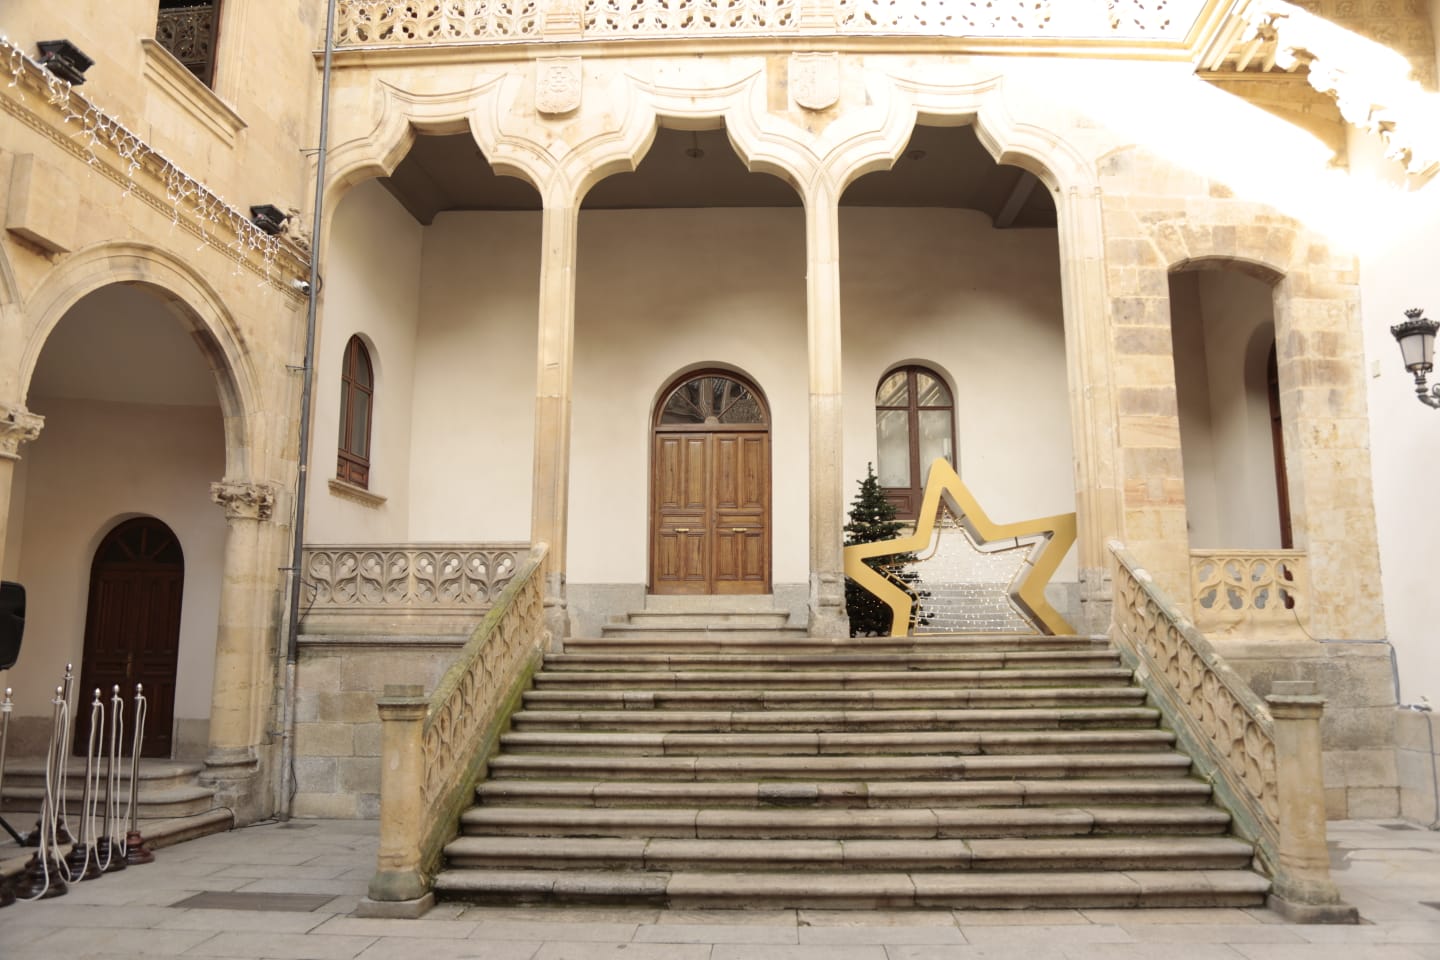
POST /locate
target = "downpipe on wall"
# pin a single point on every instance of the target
(307, 373)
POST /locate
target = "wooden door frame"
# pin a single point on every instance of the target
(656, 429)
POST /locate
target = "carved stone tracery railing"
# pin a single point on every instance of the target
(362, 23)
(1257, 591)
(433, 749)
(429, 576)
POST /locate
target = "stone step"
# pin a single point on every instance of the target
(994, 660)
(839, 767)
(153, 804)
(694, 822)
(894, 852)
(656, 680)
(648, 642)
(963, 889)
(758, 699)
(858, 794)
(167, 788)
(945, 742)
(162, 774)
(650, 622)
(763, 721)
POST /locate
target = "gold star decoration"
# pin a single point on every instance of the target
(1052, 539)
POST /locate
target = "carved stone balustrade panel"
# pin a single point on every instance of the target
(1260, 594)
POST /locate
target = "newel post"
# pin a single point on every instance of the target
(398, 872)
(1303, 889)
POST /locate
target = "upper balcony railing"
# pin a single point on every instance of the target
(385, 23)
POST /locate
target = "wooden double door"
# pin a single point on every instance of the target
(132, 630)
(710, 492)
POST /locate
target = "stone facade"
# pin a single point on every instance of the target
(119, 182)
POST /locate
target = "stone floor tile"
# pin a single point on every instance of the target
(413, 948)
(952, 952)
(62, 912)
(286, 884)
(1324, 951)
(875, 918)
(564, 914)
(1226, 915)
(716, 933)
(541, 929)
(305, 871)
(1251, 932)
(1010, 918)
(280, 946)
(275, 921)
(1045, 934)
(570, 950)
(781, 918)
(1402, 932)
(79, 941)
(430, 927)
(887, 935)
(1148, 951)
(746, 951)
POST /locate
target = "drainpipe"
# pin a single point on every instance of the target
(292, 639)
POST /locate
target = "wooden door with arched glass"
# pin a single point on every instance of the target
(132, 627)
(710, 488)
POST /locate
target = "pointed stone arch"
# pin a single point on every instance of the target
(195, 303)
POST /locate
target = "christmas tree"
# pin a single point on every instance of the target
(872, 519)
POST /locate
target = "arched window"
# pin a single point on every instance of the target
(357, 390)
(914, 424)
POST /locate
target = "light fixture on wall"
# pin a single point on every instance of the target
(64, 59)
(269, 218)
(1416, 337)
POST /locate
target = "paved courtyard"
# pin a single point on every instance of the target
(287, 891)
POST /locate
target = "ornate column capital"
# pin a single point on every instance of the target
(17, 426)
(244, 501)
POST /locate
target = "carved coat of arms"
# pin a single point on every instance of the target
(557, 84)
(815, 79)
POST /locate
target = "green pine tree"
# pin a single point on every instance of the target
(872, 519)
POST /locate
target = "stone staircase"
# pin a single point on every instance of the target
(974, 771)
(719, 617)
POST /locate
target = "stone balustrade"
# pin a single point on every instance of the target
(384, 23)
(1257, 593)
(434, 749)
(1262, 757)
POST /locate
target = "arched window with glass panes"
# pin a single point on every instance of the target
(357, 396)
(914, 425)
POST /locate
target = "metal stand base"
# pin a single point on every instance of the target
(31, 884)
(136, 852)
(106, 851)
(82, 863)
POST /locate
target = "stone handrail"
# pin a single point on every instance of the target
(417, 576)
(1255, 591)
(386, 23)
(434, 749)
(1262, 757)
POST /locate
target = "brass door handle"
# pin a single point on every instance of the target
(682, 529)
(738, 529)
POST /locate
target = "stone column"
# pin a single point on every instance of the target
(827, 429)
(1303, 889)
(398, 870)
(242, 672)
(550, 499)
(17, 426)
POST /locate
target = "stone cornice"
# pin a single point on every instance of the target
(17, 426)
(1370, 83)
(57, 111)
(244, 501)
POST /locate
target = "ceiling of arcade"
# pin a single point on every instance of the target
(941, 167)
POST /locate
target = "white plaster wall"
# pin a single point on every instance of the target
(659, 292)
(944, 288)
(95, 464)
(1398, 272)
(472, 437)
(1236, 307)
(372, 288)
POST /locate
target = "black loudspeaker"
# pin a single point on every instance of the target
(12, 622)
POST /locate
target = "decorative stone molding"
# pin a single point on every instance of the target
(360, 495)
(55, 109)
(557, 85)
(1257, 592)
(17, 426)
(389, 578)
(202, 104)
(1370, 83)
(815, 79)
(244, 501)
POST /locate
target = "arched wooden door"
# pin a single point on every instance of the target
(710, 488)
(132, 628)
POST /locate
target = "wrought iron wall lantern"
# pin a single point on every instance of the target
(64, 59)
(1416, 337)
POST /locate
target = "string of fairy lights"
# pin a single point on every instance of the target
(96, 131)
